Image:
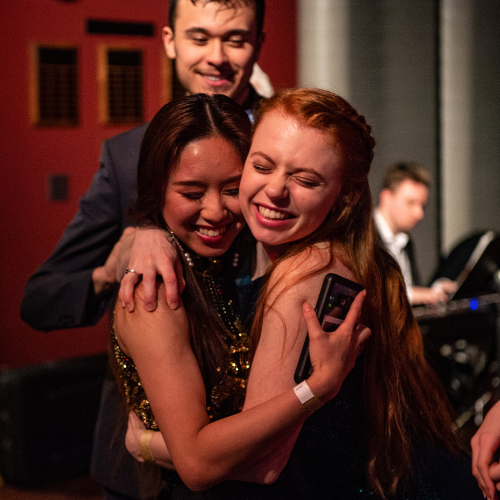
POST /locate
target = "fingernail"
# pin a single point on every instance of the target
(173, 305)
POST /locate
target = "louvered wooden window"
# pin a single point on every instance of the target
(123, 88)
(57, 89)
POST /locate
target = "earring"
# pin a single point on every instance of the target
(173, 239)
(189, 260)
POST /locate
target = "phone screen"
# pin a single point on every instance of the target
(334, 301)
(336, 307)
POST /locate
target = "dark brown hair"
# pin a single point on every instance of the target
(259, 6)
(402, 171)
(174, 127)
(404, 400)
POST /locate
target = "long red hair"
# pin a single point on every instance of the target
(404, 400)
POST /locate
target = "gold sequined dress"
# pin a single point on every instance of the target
(223, 399)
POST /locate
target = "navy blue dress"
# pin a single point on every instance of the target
(329, 461)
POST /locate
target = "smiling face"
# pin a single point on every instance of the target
(201, 200)
(290, 182)
(214, 47)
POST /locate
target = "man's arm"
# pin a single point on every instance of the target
(60, 294)
(421, 295)
(106, 277)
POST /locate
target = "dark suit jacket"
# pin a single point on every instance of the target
(60, 293)
(411, 257)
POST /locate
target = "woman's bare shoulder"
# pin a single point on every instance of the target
(140, 323)
(301, 275)
(309, 262)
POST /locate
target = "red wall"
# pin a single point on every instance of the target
(30, 225)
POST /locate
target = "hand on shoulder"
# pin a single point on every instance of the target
(152, 254)
(142, 326)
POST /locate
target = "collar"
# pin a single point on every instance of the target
(399, 240)
(251, 103)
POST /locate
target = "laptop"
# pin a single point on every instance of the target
(481, 272)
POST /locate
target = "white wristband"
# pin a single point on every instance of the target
(307, 397)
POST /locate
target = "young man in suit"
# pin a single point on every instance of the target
(215, 44)
(401, 207)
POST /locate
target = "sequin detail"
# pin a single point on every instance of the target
(135, 396)
(225, 398)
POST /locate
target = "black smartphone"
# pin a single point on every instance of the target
(334, 301)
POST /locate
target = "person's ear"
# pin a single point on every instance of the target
(385, 196)
(169, 42)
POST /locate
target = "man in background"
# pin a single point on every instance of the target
(402, 201)
(215, 44)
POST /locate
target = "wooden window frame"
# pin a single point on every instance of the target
(72, 95)
(103, 83)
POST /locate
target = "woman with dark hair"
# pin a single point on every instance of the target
(387, 433)
(188, 177)
(194, 148)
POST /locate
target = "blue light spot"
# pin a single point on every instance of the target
(473, 304)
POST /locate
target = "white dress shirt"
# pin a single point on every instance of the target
(395, 245)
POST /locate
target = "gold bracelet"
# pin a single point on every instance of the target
(146, 452)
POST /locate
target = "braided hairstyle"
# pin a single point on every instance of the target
(404, 400)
